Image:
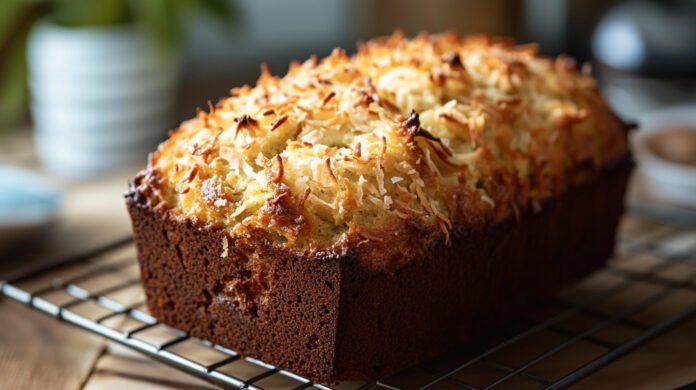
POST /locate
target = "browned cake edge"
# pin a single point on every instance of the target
(326, 317)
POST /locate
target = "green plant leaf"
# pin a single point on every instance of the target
(224, 10)
(161, 19)
(77, 13)
(16, 19)
(14, 93)
(12, 12)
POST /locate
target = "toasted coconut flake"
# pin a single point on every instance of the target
(238, 211)
(431, 165)
(278, 122)
(328, 97)
(388, 201)
(423, 199)
(191, 174)
(445, 226)
(487, 199)
(375, 200)
(305, 195)
(360, 189)
(379, 175)
(327, 162)
(278, 176)
(245, 122)
(225, 247)
(454, 60)
(357, 150)
(260, 160)
(318, 200)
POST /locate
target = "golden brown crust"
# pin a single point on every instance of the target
(389, 150)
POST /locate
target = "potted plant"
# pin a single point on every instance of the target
(102, 75)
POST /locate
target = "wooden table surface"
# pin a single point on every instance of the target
(39, 352)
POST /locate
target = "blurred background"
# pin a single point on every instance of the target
(220, 44)
(91, 71)
(88, 88)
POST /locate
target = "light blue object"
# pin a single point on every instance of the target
(651, 38)
(618, 43)
(26, 199)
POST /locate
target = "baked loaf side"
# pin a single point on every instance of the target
(431, 134)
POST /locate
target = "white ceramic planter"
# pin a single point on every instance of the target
(101, 97)
(666, 180)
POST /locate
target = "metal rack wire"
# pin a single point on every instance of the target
(100, 292)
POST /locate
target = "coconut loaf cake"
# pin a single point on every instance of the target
(364, 213)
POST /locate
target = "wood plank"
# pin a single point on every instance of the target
(37, 352)
(121, 368)
(667, 362)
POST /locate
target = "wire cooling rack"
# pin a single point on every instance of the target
(588, 326)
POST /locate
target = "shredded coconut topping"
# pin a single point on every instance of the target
(431, 131)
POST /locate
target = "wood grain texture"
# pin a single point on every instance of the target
(667, 362)
(120, 368)
(37, 352)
